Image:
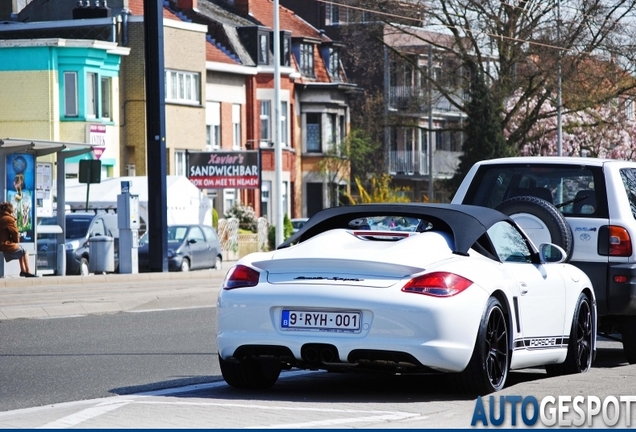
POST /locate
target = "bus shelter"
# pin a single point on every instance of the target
(23, 181)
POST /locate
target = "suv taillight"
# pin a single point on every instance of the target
(614, 240)
(619, 242)
(240, 276)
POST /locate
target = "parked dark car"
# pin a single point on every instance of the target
(80, 227)
(189, 247)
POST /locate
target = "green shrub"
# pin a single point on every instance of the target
(246, 216)
(288, 228)
(215, 218)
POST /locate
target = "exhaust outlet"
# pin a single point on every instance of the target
(326, 355)
(310, 354)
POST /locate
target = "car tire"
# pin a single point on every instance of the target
(628, 332)
(489, 365)
(536, 215)
(185, 265)
(249, 373)
(218, 263)
(581, 342)
(83, 267)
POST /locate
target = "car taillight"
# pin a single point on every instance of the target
(438, 284)
(619, 242)
(241, 276)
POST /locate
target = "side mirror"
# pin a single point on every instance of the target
(551, 253)
(191, 241)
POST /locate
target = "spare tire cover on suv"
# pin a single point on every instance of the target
(540, 220)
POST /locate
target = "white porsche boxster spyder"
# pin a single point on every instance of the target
(406, 288)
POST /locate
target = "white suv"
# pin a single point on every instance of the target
(585, 205)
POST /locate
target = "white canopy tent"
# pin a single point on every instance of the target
(186, 203)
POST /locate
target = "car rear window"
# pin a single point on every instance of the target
(76, 227)
(575, 190)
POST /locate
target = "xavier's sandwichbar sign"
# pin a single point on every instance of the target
(230, 169)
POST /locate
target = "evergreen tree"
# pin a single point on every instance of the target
(484, 138)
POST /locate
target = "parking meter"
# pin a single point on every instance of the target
(128, 224)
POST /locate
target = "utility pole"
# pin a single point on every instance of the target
(559, 103)
(278, 151)
(430, 123)
(156, 135)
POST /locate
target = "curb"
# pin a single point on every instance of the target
(66, 296)
(112, 278)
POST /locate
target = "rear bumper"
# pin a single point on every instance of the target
(439, 334)
(621, 296)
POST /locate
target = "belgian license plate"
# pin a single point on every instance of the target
(320, 320)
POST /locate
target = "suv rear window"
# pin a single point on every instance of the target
(629, 181)
(574, 190)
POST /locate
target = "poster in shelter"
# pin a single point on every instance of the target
(20, 180)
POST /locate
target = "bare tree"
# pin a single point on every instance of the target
(518, 47)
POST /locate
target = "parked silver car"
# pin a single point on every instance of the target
(189, 247)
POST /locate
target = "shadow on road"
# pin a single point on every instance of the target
(355, 387)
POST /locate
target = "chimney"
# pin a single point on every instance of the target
(85, 10)
(242, 7)
(187, 4)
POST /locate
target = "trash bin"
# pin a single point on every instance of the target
(101, 254)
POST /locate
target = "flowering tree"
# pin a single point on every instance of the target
(605, 131)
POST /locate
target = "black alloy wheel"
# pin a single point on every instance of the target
(488, 368)
(581, 343)
(496, 362)
(584, 335)
(250, 373)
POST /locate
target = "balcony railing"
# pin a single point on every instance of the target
(415, 99)
(413, 162)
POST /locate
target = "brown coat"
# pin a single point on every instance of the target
(9, 234)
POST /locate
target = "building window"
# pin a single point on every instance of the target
(313, 133)
(182, 87)
(266, 186)
(333, 14)
(343, 128)
(331, 130)
(236, 127)
(180, 162)
(334, 64)
(307, 59)
(629, 109)
(106, 98)
(91, 95)
(213, 125)
(283, 124)
(263, 49)
(266, 109)
(286, 50)
(229, 199)
(70, 94)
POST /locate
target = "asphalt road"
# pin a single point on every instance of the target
(89, 364)
(59, 360)
(159, 369)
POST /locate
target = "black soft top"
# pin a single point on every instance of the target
(465, 223)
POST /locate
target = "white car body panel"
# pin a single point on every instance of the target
(252, 315)
(346, 271)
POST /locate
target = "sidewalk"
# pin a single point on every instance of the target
(63, 296)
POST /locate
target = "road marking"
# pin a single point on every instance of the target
(112, 403)
(395, 416)
(87, 414)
